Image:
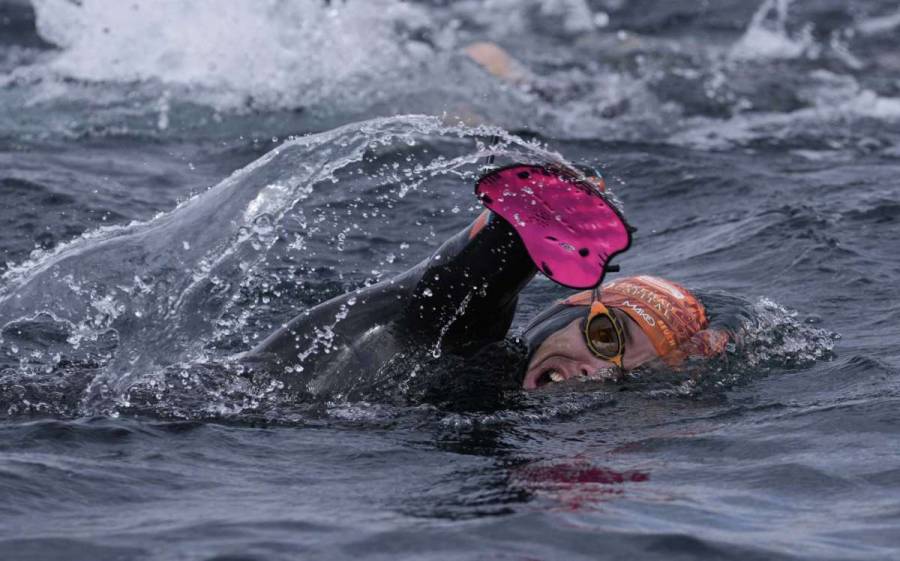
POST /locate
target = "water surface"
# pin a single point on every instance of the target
(171, 196)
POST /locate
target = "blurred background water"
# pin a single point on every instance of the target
(179, 178)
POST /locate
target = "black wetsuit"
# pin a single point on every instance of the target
(456, 302)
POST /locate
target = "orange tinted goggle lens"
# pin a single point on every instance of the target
(603, 336)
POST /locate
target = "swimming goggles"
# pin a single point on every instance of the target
(603, 333)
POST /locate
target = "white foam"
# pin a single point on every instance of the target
(503, 17)
(834, 98)
(870, 104)
(767, 37)
(744, 128)
(275, 52)
(878, 25)
(278, 53)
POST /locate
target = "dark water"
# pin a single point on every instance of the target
(175, 185)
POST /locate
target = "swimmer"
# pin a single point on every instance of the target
(463, 297)
(633, 321)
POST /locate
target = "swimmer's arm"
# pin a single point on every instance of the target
(467, 292)
(339, 322)
(464, 295)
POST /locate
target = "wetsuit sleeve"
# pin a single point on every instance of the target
(462, 297)
(468, 289)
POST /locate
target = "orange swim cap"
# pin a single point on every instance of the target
(674, 319)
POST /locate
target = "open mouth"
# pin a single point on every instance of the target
(550, 370)
(549, 376)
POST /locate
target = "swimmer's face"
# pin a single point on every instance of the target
(564, 355)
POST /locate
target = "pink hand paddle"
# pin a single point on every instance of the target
(569, 229)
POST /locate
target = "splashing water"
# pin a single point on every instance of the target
(755, 170)
(767, 36)
(175, 289)
(272, 53)
(307, 59)
(777, 336)
(151, 309)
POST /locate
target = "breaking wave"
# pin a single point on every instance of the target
(309, 59)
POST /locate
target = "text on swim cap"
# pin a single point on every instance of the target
(651, 321)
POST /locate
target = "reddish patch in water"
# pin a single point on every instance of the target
(577, 485)
(581, 473)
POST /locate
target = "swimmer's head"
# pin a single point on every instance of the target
(653, 319)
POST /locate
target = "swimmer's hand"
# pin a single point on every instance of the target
(570, 229)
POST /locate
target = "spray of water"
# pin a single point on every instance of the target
(142, 67)
(767, 36)
(190, 282)
(274, 53)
